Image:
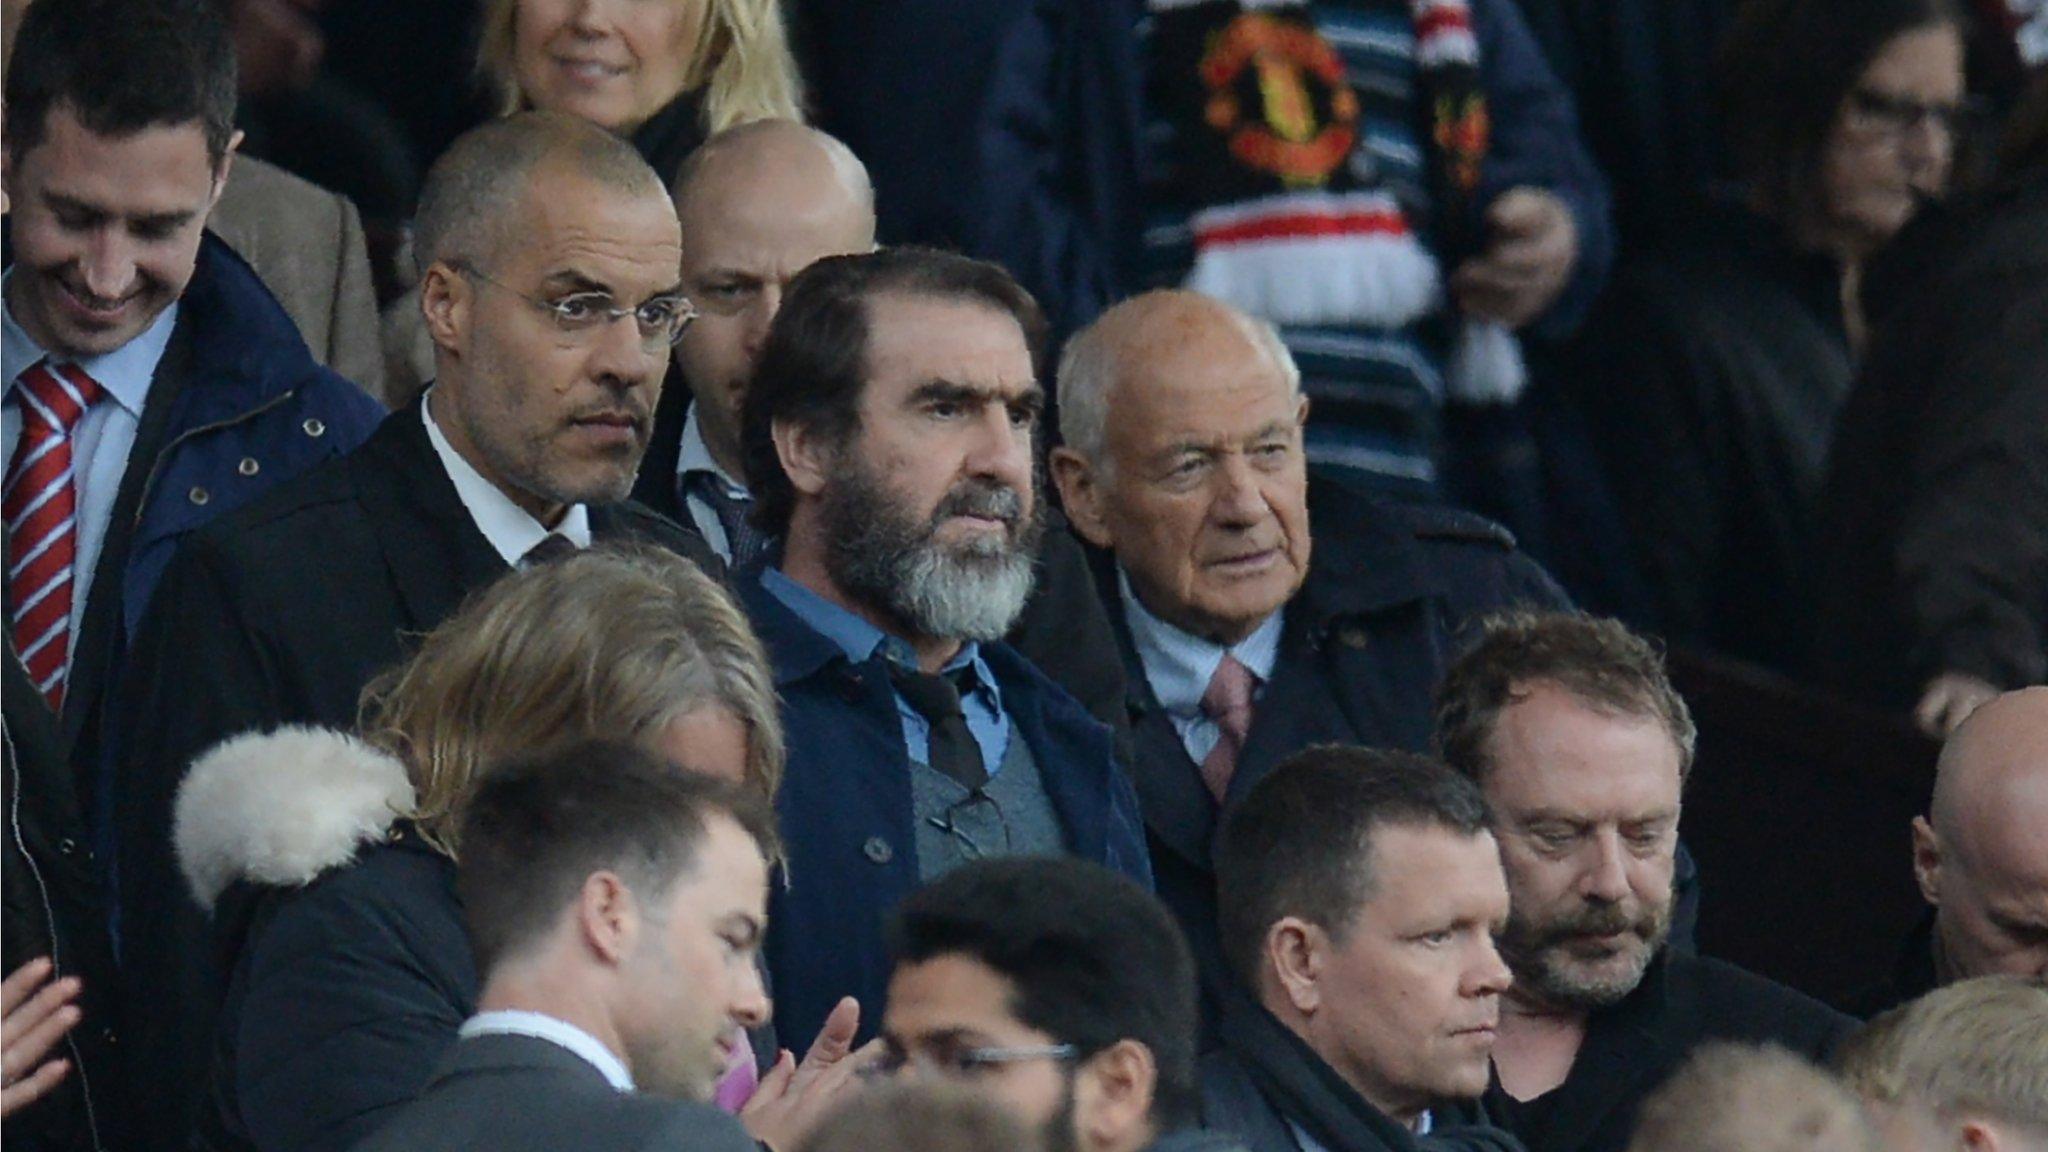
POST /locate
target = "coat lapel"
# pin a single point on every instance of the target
(432, 547)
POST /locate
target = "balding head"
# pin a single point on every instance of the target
(1982, 853)
(758, 204)
(1183, 426)
(476, 193)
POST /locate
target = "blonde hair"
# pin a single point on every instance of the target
(741, 59)
(611, 642)
(1751, 1098)
(1974, 1046)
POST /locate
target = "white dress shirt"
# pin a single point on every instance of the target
(511, 530)
(1179, 665)
(103, 439)
(695, 456)
(512, 1022)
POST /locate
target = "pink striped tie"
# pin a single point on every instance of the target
(1228, 702)
(40, 505)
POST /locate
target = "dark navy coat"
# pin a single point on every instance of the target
(1366, 639)
(847, 820)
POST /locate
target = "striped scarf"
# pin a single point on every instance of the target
(1287, 224)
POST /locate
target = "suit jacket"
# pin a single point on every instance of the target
(506, 1093)
(1364, 643)
(280, 615)
(307, 244)
(846, 809)
(1631, 1048)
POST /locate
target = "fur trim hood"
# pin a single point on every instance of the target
(280, 808)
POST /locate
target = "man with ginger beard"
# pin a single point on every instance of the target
(548, 252)
(889, 435)
(1571, 728)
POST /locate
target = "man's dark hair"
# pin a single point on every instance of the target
(814, 365)
(1786, 67)
(538, 827)
(1095, 959)
(1300, 843)
(122, 66)
(1600, 662)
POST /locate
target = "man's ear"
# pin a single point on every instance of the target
(227, 163)
(1113, 1097)
(1977, 1136)
(1927, 860)
(445, 300)
(1082, 496)
(608, 917)
(807, 455)
(1294, 951)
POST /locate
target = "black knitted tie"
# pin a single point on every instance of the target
(936, 697)
(744, 540)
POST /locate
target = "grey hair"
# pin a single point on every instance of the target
(1088, 371)
(479, 184)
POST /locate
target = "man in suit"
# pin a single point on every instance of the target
(151, 385)
(1062, 990)
(889, 434)
(1581, 746)
(615, 904)
(548, 253)
(1183, 465)
(759, 203)
(1361, 894)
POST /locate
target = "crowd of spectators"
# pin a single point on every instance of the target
(1157, 574)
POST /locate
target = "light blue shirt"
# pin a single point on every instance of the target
(1179, 665)
(101, 442)
(861, 640)
(695, 456)
(513, 1022)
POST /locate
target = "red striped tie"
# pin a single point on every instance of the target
(40, 504)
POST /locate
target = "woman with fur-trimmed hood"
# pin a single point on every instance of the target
(328, 860)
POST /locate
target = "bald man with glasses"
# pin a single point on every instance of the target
(548, 256)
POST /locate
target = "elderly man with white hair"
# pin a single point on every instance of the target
(1183, 467)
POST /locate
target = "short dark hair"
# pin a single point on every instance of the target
(1786, 66)
(1599, 661)
(814, 364)
(1095, 959)
(538, 827)
(122, 66)
(1300, 842)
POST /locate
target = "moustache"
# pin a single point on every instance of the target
(983, 498)
(1601, 920)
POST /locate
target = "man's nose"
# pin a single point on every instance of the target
(109, 266)
(1489, 975)
(751, 1007)
(619, 351)
(760, 317)
(1239, 499)
(1606, 876)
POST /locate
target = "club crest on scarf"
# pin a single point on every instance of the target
(1292, 221)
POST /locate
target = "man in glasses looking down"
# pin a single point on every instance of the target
(548, 254)
(1059, 990)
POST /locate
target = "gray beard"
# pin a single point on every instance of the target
(1546, 972)
(884, 558)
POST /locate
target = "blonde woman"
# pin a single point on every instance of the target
(328, 860)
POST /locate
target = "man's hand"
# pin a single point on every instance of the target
(31, 1023)
(1949, 700)
(793, 1097)
(1531, 245)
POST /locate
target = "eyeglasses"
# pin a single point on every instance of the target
(661, 320)
(1898, 115)
(965, 1063)
(986, 834)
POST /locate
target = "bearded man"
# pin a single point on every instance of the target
(888, 439)
(1572, 730)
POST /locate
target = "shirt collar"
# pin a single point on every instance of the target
(854, 636)
(555, 1031)
(695, 456)
(510, 529)
(1179, 664)
(124, 373)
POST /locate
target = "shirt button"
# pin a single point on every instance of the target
(878, 850)
(198, 495)
(248, 466)
(314, 427)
